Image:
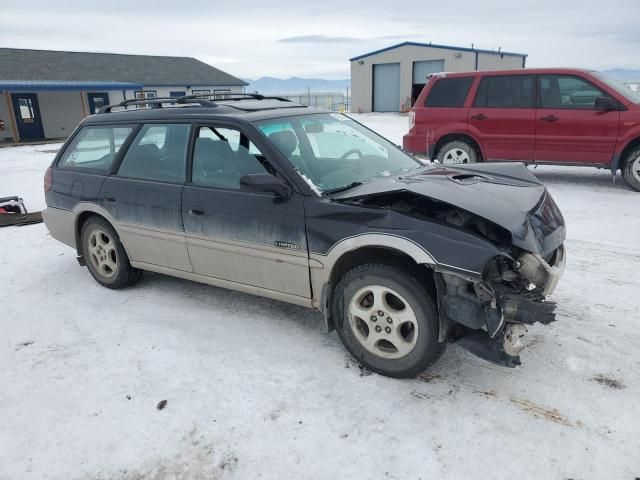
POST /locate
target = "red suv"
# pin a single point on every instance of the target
(546, 116)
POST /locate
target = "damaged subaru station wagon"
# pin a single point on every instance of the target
(273, 198)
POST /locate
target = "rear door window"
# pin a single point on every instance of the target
(449, 92)
(506, 91)
(94, 148)
(157, 153)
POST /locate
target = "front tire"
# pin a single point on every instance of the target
(631, 169)
(105, 255)
(457, 152)
(386, 319)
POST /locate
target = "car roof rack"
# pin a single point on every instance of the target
(203, 99)
(156, 102)
(230, 97)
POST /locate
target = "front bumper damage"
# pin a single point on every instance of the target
(489, 317)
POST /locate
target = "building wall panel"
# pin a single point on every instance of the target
(61, 112)
(4, 115)
(454, 61)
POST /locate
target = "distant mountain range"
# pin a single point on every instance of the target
(273, 85)
(623, 75)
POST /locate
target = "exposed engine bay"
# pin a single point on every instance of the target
(486, 316)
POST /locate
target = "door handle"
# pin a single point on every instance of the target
(549, 118)
(196, 211)
(109, 198)
(480, 116)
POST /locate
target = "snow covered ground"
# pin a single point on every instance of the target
(254, 389)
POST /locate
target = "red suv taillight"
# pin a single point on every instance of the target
(2, 126)
(48, 179)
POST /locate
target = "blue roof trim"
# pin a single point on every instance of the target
(434, 45)
(183, 84)
(52, 85)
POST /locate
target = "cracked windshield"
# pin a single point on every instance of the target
(333, 152)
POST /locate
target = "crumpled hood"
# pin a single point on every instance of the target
(506, 194)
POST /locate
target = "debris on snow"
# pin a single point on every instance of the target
(609, 382)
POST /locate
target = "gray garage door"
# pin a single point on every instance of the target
(422, 69)
(386, 87)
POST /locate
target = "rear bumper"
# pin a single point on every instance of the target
(61, 225)
(415, 143)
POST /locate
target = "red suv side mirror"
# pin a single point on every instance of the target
(606, 104)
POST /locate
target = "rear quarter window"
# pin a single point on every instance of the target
(94, 148)
(449, 92)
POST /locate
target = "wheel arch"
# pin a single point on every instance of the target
(378, 248)
(83, 212)
(619, 160)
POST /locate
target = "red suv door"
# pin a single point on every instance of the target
(569, 128)
(502, 117)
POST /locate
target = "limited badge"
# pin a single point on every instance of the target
(280, 244)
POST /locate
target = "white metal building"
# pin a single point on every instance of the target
(46, 93)
(390, 79)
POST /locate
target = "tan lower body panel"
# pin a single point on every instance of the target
(61, 225)
(155, 246)
(218, 282)
(262, 266)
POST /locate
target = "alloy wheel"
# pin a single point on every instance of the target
(635, 168)
(103, 253)
(456, 155)
(383, 322)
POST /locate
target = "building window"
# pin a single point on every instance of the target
(221, 94)
(201, 92)
(145, 94)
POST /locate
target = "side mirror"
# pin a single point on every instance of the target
(606, 104)
(264, 183)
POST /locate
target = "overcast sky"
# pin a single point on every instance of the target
(308, 38)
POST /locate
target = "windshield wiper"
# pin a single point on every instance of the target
(342, 189)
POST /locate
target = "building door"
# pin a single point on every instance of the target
(27, 111)
(386, 87)
(97, 101)
(420, 72)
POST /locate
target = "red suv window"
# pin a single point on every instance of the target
(506, 91)
(449, 92)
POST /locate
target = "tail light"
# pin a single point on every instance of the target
(2, 126)
(48, 179)
(412, 119)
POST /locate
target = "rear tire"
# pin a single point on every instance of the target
(631, 169)
(386, 319)
(105, 255)
(457, 152)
